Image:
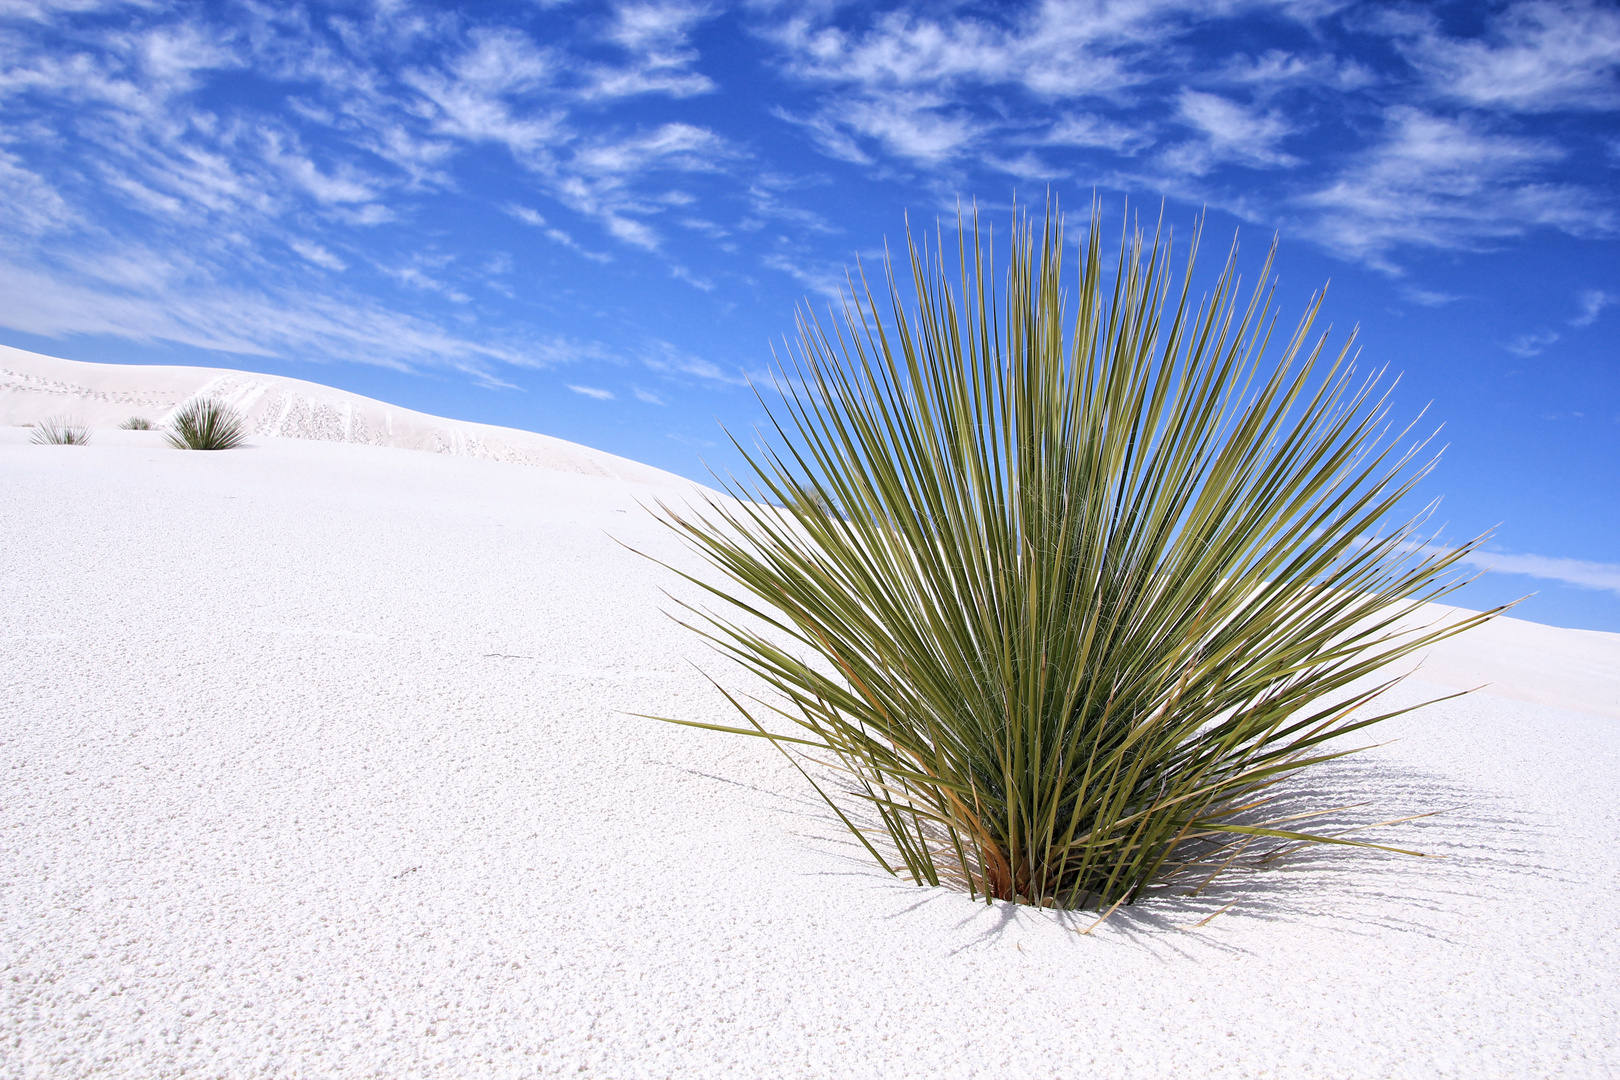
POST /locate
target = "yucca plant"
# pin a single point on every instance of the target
(1062, 585)
(60, 431)
(137, 423)
(205, 424)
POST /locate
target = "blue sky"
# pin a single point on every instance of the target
(592, 219)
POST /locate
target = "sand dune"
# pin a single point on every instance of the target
(319, 760)
(35, 387)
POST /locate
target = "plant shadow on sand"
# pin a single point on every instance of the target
(1477, 850)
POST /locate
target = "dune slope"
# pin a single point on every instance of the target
(35, 387)
(319, 761)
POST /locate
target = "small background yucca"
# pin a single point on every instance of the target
(206, 424)
(1063, 585)
(59, 431)
(137, 423)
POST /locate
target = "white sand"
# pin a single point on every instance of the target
(316, 763)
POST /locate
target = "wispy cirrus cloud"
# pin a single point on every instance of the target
(1446, 182)
(1532, 344)
(1227, 131)
(671, 360)
(493, 90)
(1582, 573)
(186, 193)
(661, 58)
(1592, 303)
(1275, 70)
(317, 254)
(1540, 56)
(505, 90)
(258, 322)
(1090, 130)
(1060, 48)
(530, 216)
(829, 281)
(1442, 162)
(901, 85)
(29, 202)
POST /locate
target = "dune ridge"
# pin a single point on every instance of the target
(34, 386)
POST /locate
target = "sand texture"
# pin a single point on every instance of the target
(318, 760)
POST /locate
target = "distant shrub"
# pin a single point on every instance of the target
(137, 423)
(59, 431)
(206, 424)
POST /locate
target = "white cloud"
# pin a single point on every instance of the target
(829, 281)
(294, 323)
(1429, 297)
(1445, 182)
(643, 27)
(826, 134)
(919, 126)
(1276, 69)
(704, 226)
(144, 198)
(372, 214)
(1579, 572)
(592, 392)
(1091, 130)
(532, 217)
(1532, 344)
(1582, 573)
(904, 79)
(939, 87)
(647, 396)
(472, 98)
(683, 274)
(317, 254)
(505, 90)
(526, 215)
(415, 276)
(28, 203)
(923, 127)
(40, 10)
(136, 268)
(1058, 47)
(1592, 302)
(764, 202)
(1026, 166)
(1536, 56)
(672, 360)
(600, 179)
(631, 231)
(670, 146)
(345, 185)
(501, 88)
(657, 37)
(134, 72)
(1230, 132)
(186, 168)
(227, 195)
(171, 56)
